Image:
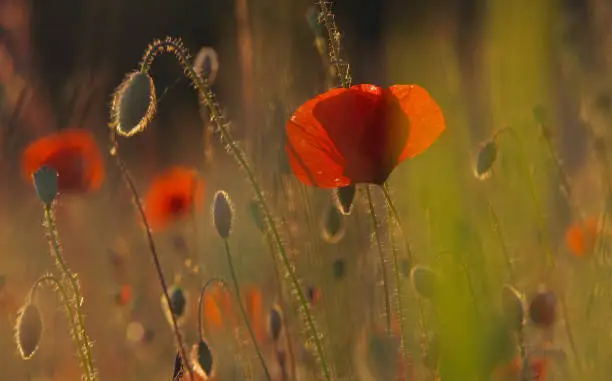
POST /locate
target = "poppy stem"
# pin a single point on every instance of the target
(60, 289)
(502, 243)
(383, 259)
(201, 321)
(242, 310)
(152, 249)
(56, 252)
(176, 48)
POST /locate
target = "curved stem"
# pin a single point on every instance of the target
(160, 275)
(245, 317)
(74, 327)
(383, 259)
(201, 300)
(176, 48)
(63, 267)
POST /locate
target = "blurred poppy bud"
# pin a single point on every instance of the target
(256, 214)
(134, 104)
(178, 304)
(424, 281)
(339, 268)
(344, 198)
(485, 160)
(45, 184)
(543, 309)
(512, 306)
(223, 214)
(28, 330)
(333, 225)
(206, 64)
(275, 323)
(202, 360)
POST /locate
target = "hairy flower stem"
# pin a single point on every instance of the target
(242, 310)
(543, 233)
(176, 48)
(127, 177)
(74, 326)
(56, 252)
(383, 259)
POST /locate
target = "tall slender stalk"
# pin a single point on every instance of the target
(176, 48)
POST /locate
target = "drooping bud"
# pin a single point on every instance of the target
(46, 184)
(512, 307)
(223, 213)
(134, 104)
(202, 360)
(178, 305)
(485, 160)
(28, 330)
(344, 197)
(424, 281)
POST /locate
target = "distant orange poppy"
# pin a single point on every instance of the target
(173, 195)
(580, 238)
(73, 153)
(360, 134)
(216, 307)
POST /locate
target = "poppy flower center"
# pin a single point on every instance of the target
(177, 205)
(71, 168)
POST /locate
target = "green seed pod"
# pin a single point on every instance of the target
(28, 330)
(485, 160)
(223, 213)
(202, 360)
(424, 281)
(178, 304)
(45, 184)
(512, 307)
(333, 228)
(134, 104)
(344, 197)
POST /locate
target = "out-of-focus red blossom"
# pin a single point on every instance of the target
(512, 370)
(580, 238)
(73, 153)
(360, 134)
(173, 194)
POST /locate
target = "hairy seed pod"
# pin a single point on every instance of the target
(512, 306)
(485, 160)
(223, 213)
(134, 104)
(28, 330)
(45, 184)
(202, 360)
(275, 322)
(178, 304)
(206, 64)
(256, 214)
(424, 281)
(344, 197)
(333, 228)
(543, 309)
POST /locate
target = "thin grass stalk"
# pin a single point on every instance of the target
(62, 266)
(127, 177)
(245, 317)
(176, 48)
(502, 243)
(74, 326)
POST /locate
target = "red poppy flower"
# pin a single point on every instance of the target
(360, 134)
(173, 195)
(73, 153)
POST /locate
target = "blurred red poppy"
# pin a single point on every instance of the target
(360, 134)
(174, 194)
(73, 153)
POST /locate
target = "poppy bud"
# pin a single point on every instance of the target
(275, 323)
(333, 225)
(134, 104)
(202, 359)
(424, 281)
(512, 306)
(178, 304)
(45, 184)
(344, 198)
(256, 214)
(223, 214)
(485, 160)
(206, 64)
(339, 268)
(28, 330)
(543, 309)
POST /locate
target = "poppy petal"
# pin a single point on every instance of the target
(425, 116)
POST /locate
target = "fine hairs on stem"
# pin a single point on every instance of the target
(127, 177)
(77, 300)
(176, 48)
(543, 232)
